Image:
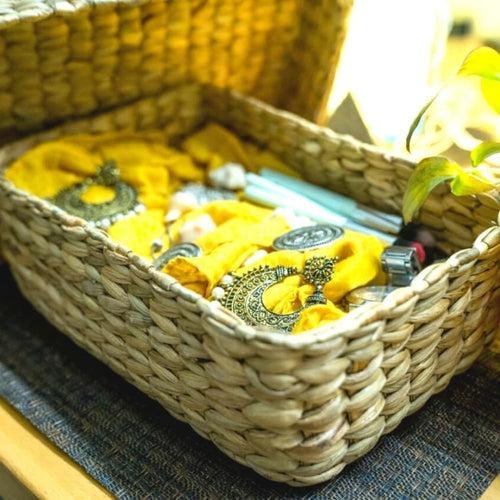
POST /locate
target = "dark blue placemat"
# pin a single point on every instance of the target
(450, 449)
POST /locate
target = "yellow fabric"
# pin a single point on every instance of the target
(220, 212)
(317, 316)
(237, 237)
(242, 230)
(156, 170)
(50, 167)
(138, 232)
(215, 145)
(144, 162)
(358, 265)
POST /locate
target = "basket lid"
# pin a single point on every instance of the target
(68, 58)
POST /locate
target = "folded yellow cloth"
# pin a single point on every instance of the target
(242, 229)
(358, 265)
(214, 145)
(220, 212)
(155, 170)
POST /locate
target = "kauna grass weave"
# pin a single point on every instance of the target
(68, 58)
(298, 408)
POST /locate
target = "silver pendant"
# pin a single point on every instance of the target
(308, 238)
(181, 250)
(125, 203)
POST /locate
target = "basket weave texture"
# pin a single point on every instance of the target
(296, 409)
(68, 58)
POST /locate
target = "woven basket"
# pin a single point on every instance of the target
(298, 408)
(68, 58)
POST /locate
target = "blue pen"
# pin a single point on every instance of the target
(267, 193)
(336, 202)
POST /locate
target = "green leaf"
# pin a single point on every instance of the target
(483, 151)
(429, 173)
(464, 184)
(416, 121)
(491, 93)
(483, 62)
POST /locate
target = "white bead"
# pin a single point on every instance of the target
(105, 223)
(259, 254)
(293, 220)
(227, 279)
(230, 176)
(218, 292)
(194, 229)
(180, 203)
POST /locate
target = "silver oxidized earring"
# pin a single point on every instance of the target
(125, 202)
(243, 295)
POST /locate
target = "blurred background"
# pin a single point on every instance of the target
(397, 55)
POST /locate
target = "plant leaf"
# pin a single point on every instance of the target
(416, 121)
(491, 93)
(429, 173)
(483, 151)
(464, 184)
(432, 171)
(483, 62)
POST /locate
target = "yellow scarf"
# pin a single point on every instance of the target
(156, 171)
(243, 229)
(153, 169)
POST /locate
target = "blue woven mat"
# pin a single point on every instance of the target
(135, 449)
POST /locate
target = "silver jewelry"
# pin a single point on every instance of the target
(125, 203)
(401, 264)
(181, 250)
(308, 238)
(243, 295)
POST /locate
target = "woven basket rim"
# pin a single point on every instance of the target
(37, 10)
(368, 314)
(225, 322)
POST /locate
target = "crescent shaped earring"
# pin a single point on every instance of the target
(244, 295)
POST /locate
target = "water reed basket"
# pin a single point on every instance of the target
(296, 409)
(69, 58)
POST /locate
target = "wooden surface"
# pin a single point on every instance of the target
(38, 465)
(493, 492)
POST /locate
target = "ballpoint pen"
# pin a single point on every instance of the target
(336, 202)
(267, 193)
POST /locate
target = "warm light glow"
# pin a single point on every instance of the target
(390, 62)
